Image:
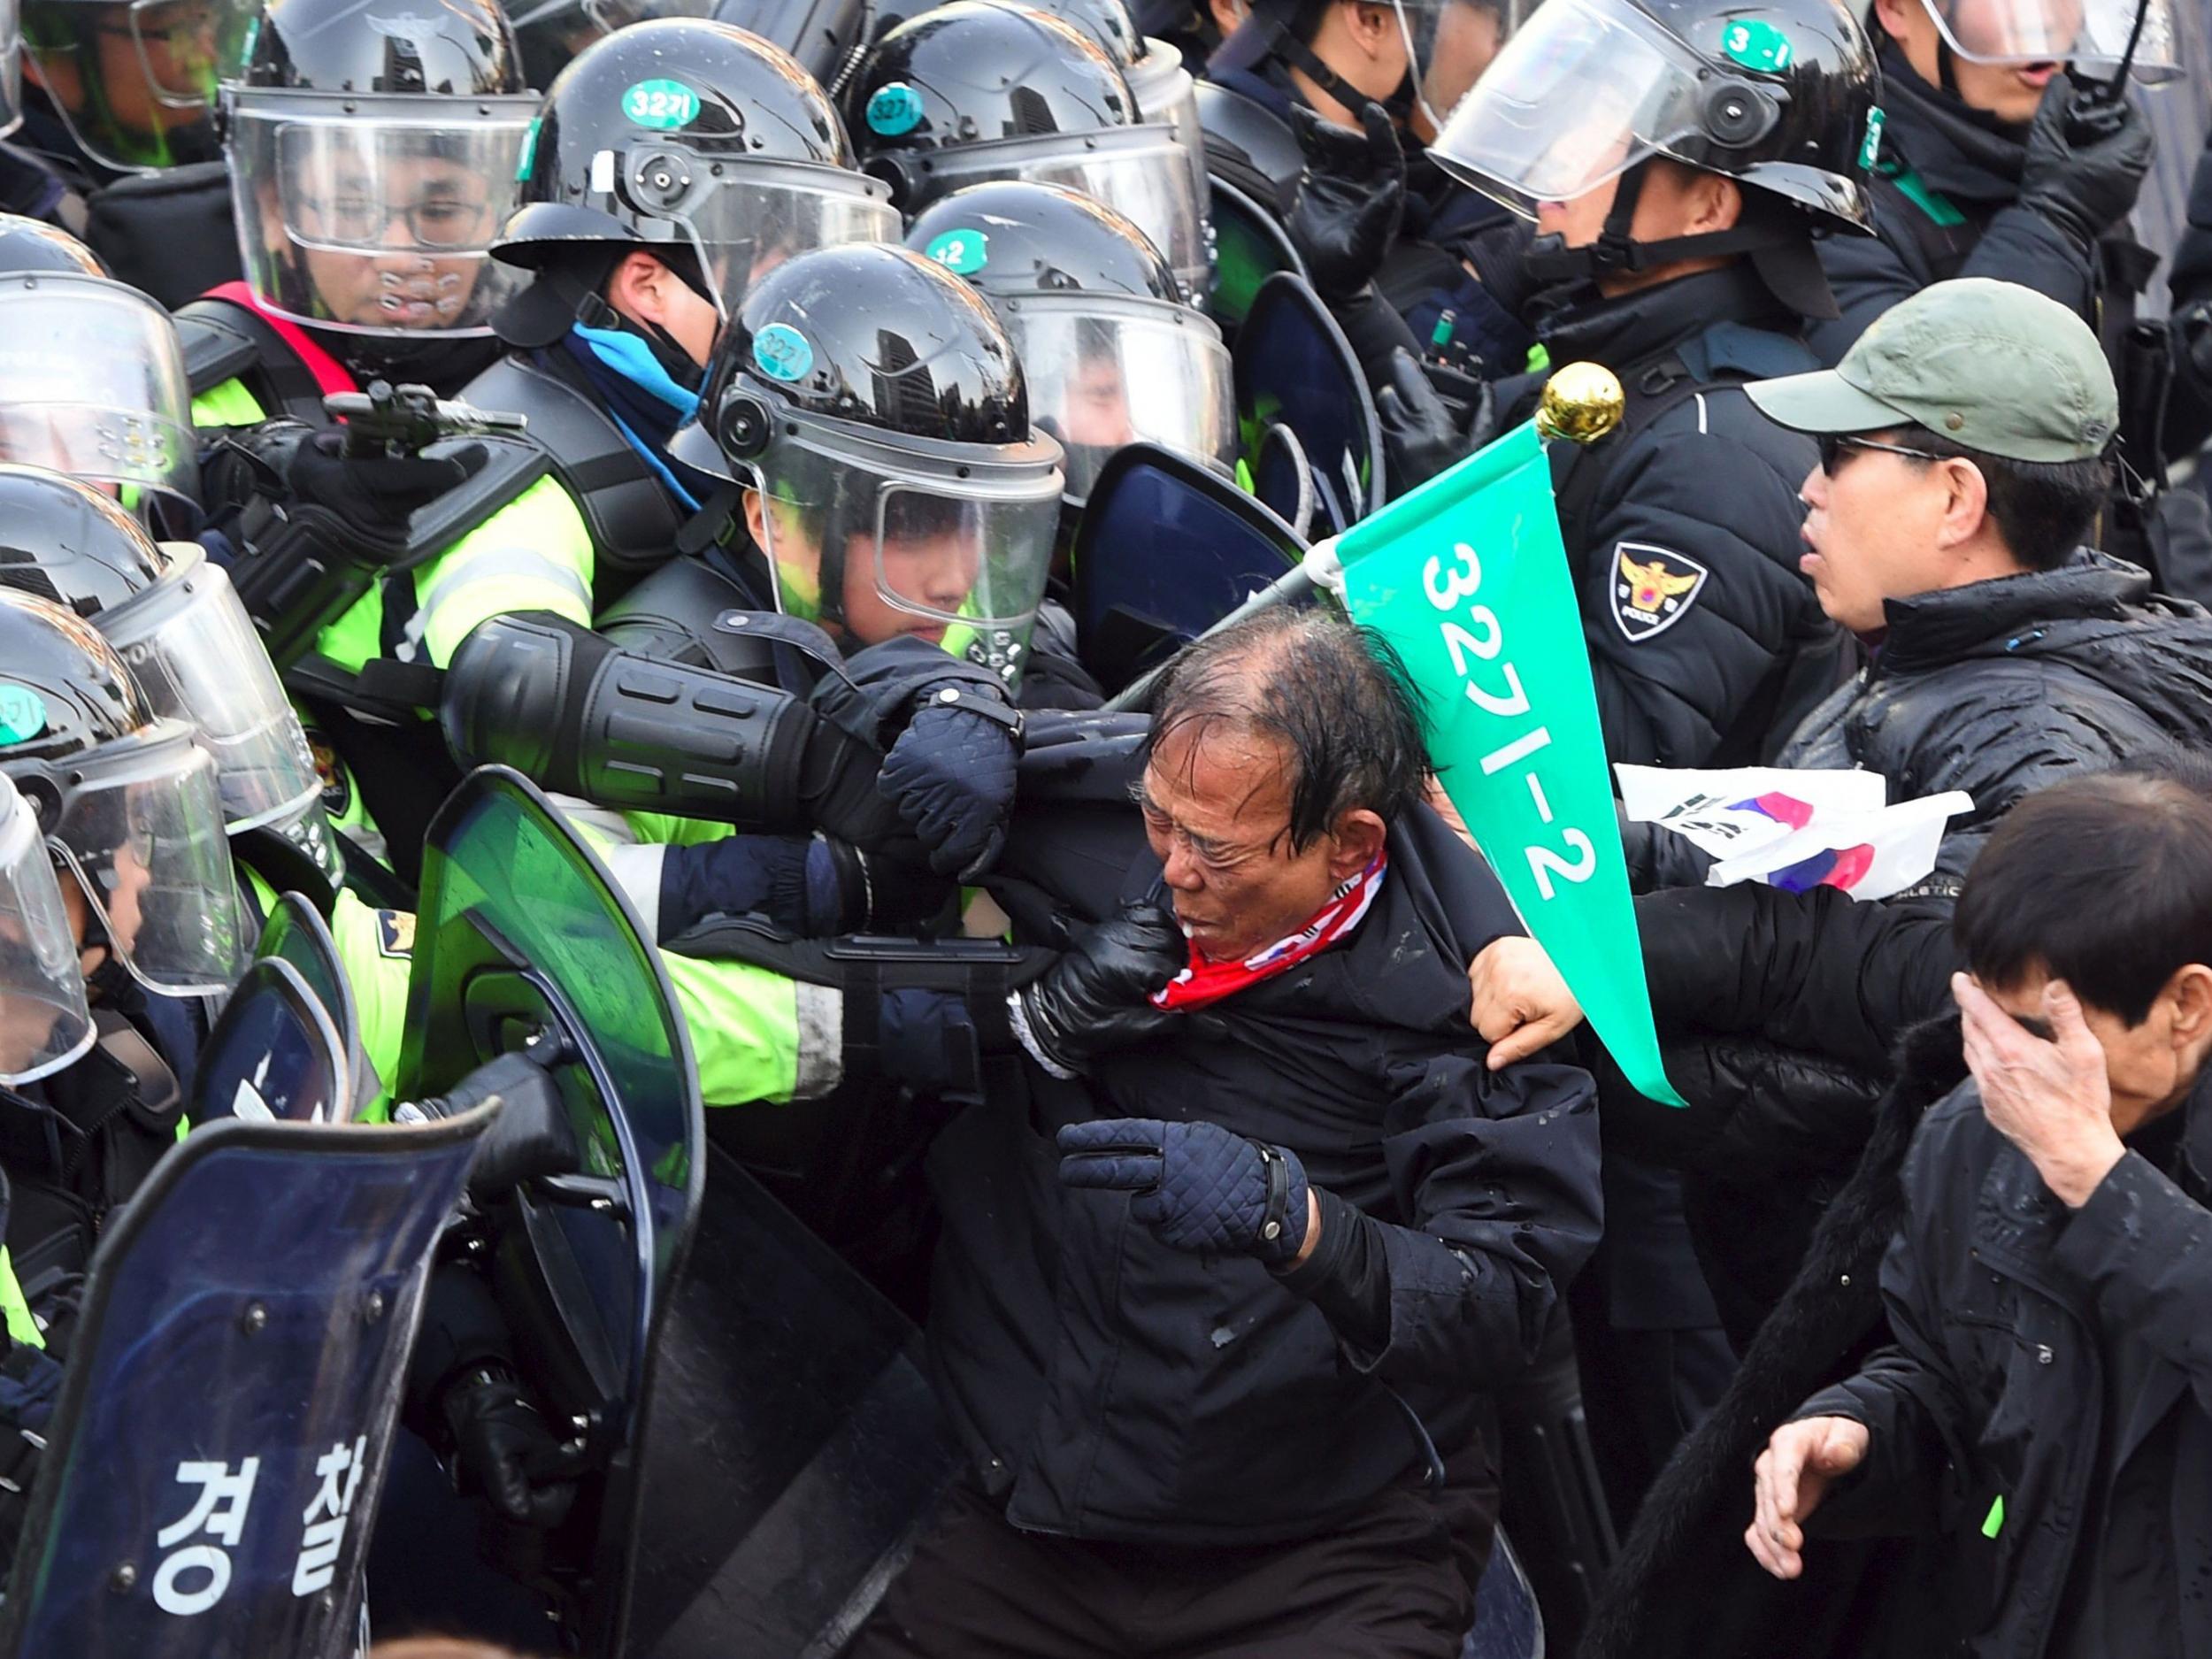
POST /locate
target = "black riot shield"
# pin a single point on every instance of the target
(215, 1459)
(1306, 420)
(296, 933)
(1250, 246)
(1164, 550)
(523, 941)
(812, 1453)
(273, 1054)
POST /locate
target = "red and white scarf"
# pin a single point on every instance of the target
(1207, 981)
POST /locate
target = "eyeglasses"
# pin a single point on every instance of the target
(440, 223)
(1832, 444)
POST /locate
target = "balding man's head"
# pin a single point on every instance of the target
(1280, 752)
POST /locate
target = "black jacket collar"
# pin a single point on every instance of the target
(1968, 155)
(1934, 628)
(1656, 321)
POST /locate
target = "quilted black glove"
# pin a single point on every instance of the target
(1199, 1187)
(950, 774)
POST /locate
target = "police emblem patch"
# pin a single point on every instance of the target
(396, 933)
(1653, 587)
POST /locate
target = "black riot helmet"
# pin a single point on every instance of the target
(68, 542)
(126, 801)
(876, 409)
(695, 137)
(825, 35)
(178, 623)
(973, 91)
(373, 151)
(32, 244)
(1779, 95)
(1111, 354)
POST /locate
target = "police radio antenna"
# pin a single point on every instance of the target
(2094, 110)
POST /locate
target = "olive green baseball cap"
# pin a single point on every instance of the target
(1993, 365)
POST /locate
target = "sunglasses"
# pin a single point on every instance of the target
(1832, 444)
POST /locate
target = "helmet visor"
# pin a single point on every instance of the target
(44, 1023)
(745, 220)
(1581, 94)
(1167, 96)
(92, 384)
(10, 67)
(950, 542)
(136, 82)
(190, 645)
(2092, 33)
(378, 221)
(1142, 172)
(1104, 372)
(141, 828)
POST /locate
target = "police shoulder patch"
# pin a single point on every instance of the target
(395, 934)
(1653, 587)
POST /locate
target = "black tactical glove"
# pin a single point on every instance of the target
(1098, 995)
(374, 495)
(1422, 434)
(950, 774)
(2083, 183)
(502, 1448)
(531, 1137)
(1351, 199)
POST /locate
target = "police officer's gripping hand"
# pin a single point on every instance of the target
(1098, 995)
(502, 1448)
(1199, 1187)
(2084, 182)
(1351, 199)
(950, 774)
(373, 496)
(1422, 434)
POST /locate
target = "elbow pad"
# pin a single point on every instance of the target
(573, 712)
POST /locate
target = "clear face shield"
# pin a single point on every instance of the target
(949, 542)
(44, 1022)
(193, 650)
(1142, 173)
(377, 215)
(1448, 44)
(1105, 371)
(140, 828)
(1167, 96)
(136, 82)
(1582, 93)
(2093, 34)
(92, 384)
(743, 219)
(11, 67)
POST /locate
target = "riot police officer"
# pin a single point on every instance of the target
(971, 91)
(372, 159)
(824, 36)
(125, 119)
(1678, 236)
(672, 162)
(1110, 353)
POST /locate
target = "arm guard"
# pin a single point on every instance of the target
(573, 712)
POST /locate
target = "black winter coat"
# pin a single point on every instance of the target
(1110, 1386)
(2008, 1312)
(1690, 1528)
(2006, 687)
(1945, 205)
(1705, 642)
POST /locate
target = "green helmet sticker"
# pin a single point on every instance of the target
(1871, 150)
(894, 109)
(663, 105)
(783, 353)
(529, 156)
(962, 252)
(22, 714)
(1759, 45)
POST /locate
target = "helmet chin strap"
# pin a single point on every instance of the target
(1303, 57)
(1551, 262)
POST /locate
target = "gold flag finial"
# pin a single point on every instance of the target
(1581, 403)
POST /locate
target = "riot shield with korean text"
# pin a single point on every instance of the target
(1307, 434)
(214, 1462)
(522, 942)
(1165, 550)
(296, 933)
